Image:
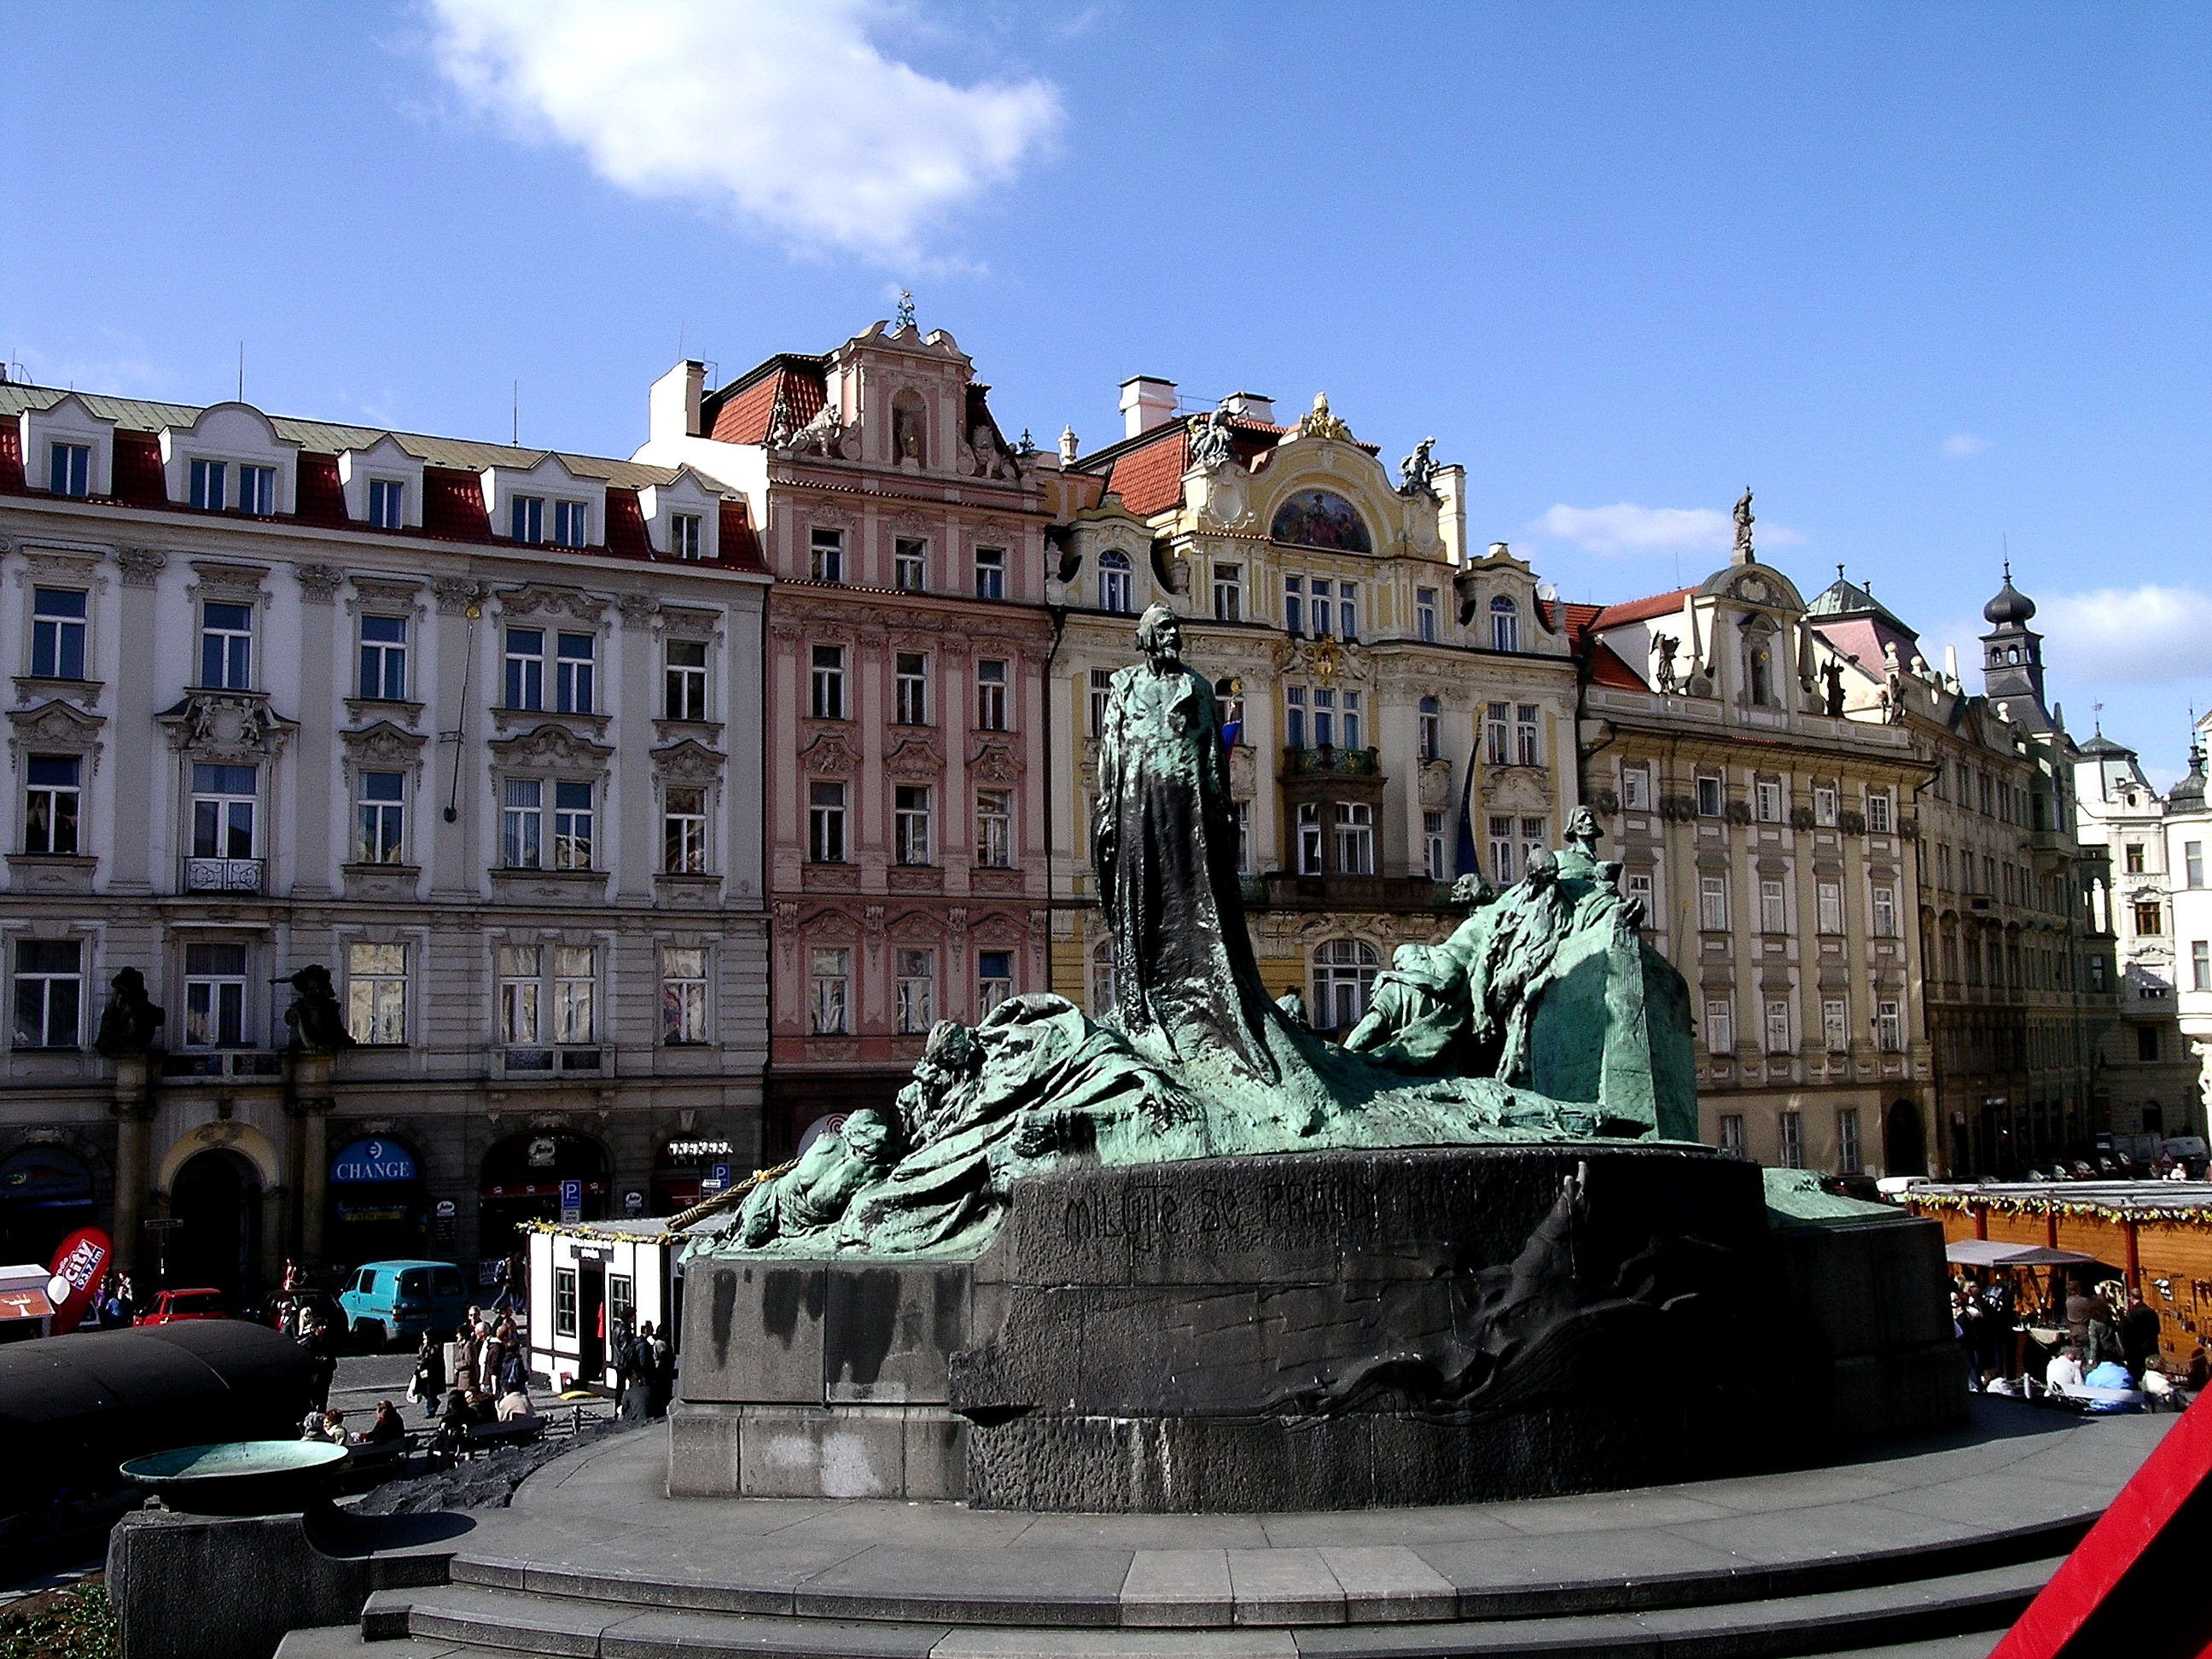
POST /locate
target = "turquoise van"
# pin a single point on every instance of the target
(388, 1300)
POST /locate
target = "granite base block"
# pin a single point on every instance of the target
(732, 1449)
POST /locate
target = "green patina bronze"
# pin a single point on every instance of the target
(1544, 1017)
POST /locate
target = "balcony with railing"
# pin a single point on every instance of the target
(1329, 762)
(215, 1064)
(551, 1061)
(212, 875)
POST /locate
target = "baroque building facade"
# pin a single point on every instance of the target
(475, 728)
(904, 708)
(1399, 712)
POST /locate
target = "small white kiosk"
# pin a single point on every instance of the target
(588, 1276)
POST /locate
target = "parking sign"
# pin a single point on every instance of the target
(571, 1200)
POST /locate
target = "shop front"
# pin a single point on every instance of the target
(378, 1204)
(46, 1194)
(544, 1174)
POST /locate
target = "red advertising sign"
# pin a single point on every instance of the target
(79, 1265)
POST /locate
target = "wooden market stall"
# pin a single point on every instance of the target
(585, 1277)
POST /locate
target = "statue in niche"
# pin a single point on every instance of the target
(1210, 445)
(908, 442)
(1831, 674)
(1663, 647)
(317, 1020)
(131, 1024)
(1418, 470)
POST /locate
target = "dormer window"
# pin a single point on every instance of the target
(572, 524)
(685, 537)
(69, 469)
(1504, 624)
(210, 485)
(387, 503)
(526, 518)
(1115, 592)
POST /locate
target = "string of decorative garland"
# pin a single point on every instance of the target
(2194, 1214)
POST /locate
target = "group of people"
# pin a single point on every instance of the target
(326, 1425)
(490, 1378)
(644, 1370)
(2105, 1343)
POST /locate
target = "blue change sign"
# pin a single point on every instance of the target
(374, 1160)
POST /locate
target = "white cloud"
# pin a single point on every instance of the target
(787, 114)
(1625, 527)
(2146, 635)
(1964, 445)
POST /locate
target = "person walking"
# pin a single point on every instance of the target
(466, 1378)
(429, 1379)
(2139, 1335)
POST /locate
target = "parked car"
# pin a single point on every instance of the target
(171, 1306)
(385, 1301)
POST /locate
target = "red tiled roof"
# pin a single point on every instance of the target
(1149, 480)
(321, 496)
(1658, 605)
(626, 536)
(740, 546)
(138, 478)
(743, 419)
(1608, 668)
(11, 456)
(453, 505)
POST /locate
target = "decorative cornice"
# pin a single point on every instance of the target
(553, 748)
(319, 583)
(141, 566)
(688, 762)
(384, 744)
(543, 599)
(454, 595)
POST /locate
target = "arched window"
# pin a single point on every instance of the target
(1114, 583)
(1343, 977)
(1504, 624)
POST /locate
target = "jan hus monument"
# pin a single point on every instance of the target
(1191, 1255)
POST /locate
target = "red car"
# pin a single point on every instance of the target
(171, 1306)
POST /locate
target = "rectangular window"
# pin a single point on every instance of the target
(1505, 625)
(572, 826)
(1310, 859)
(571, 523)
(522, 823)
(564, 1301)
(1731, 1128)
(2150, 917)
(1355, 838)
(1885, 912)
(828, 550)
(910, 564)
(526, 519)
(830, 973)
(990, 573)
(1324, 607)
(1823, 805)
(214, 996)
(825, 822)
(1713, 904)
(379, 817)
(1228, 593)
(57, 633)
(1243, 837)
(1836, 1024)
(1102, 690)
(1428, 729)
(1828, 900)
(686, 536)
(226, 647)
(1294, 716)
(683, 831)
(1636, 788)
(257, 491)
(1710, 800)
(828, 686)
(1528, 735)
(994, 979)
(69, 469)
(994, 829)
(575, 981)
(49, 991)
(1424, 615)
(1502, 861)
(1888, 1027)
(2192, 863)
(223, 800)
(1496, 735)
(1324, 717)
(1878, 819)
(387, 504)
(683, 994)
(1435, 854)
(1793, 1140)
(376, 993)
(683, 680)
(911, 684)
(50, 798)
(384, 659)
(1294, 605)
(1352, 733)
(910, 823)
(2199, 965)
(1848, 1158)
(208, 494)
(1720, 1028)
(990, 695)
(526, 668)
(1347, 604)
(2147, 1044)
(1773, 907)
(1536, 837)
(574, 666)
(520, 966)
(1766, 801)
(1777, 1026)
(917, 992)
(1638, 885)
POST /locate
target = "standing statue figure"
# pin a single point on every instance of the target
(1832, 672)
(1744, 555)
(318, 1022)
(1210, 441)
(903, 319)
(131, 1024)
(1664, 646)
(1163, 837)
(1418, 469)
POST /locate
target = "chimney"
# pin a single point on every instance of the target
(1250, 406)
(1146, 402)
(673, 405)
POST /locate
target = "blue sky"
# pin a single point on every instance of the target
(1931, 278)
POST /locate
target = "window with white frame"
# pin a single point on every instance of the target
(1823, 805)
(1323, 698)
(1228, 593)
(49, 992)
(1777, 1026)
(1243, 809)
(1849, 1159)
(257, 491)
(57, 633)
(1102, 980)
(379, 817)
(215, 995)
(914, 991)
(994, 829)
(1636, 788)
(1101, 685)
(1767, 800)
(828, 991)
(827, 684)
(687, 538)
(910, 564)
(1712, 904)
(1504, 624)
(1877, 812)
(1322, 593)
(522, 823)
(1828, 902)
(1731, 1128)
(1355, 838)
(990, 695)
(1720, 1027)
(1354, 736)
(1536, 837)
(526, 519)
(1888, 1027)
(376, 993)
(2200, 965)
(1309, 850)
(910, 824)
(226, 646)
(2192, 863)
(684, 679)
(521, 992)
(1424, 615)
(69, 469)
(990, 573)
(1294, 716)
(1711, 800)
(224, 803)
(1428, 726)
(1792, 1125)
(387, 504)
(52, 795)
(1343, 980)
(1528, 735)
(684, 830)
(1228, 708)
(383, 676)
(565, 1302)
(1773, 907)
(1497, 734)
(1502, 864)
(1885, 911)
(1435, 854)
(524, 658)
(573, 818)
(826, 547)
(994, 979)
(910, 688)
(1294, 605)
(575, 667)
(575, 993)
(209, 486)
(825, 822)
(1347, 610)
(683, 994)
(1836, 1024)
(1637, 884)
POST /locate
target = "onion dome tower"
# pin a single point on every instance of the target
(2011, 657)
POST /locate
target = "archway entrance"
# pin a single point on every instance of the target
(46, 1194)
(1904, 1142)
(216, 1196)
(522, 1181)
